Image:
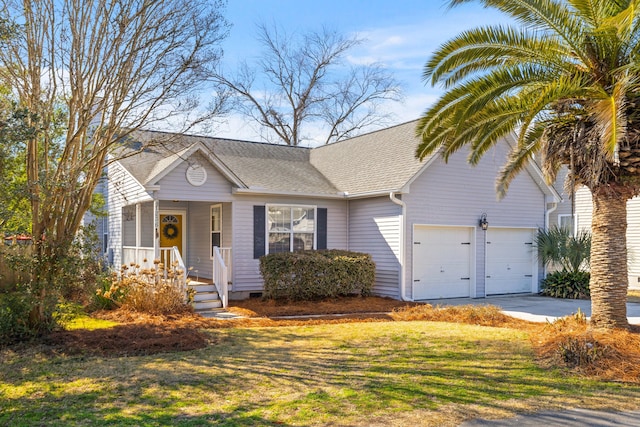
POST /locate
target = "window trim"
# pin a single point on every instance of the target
(291, 233)
(211, 208)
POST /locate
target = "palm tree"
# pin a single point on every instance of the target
(567, 81)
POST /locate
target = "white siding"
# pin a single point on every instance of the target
(246, 271)
(374, 228)
(174, 185)
(633, 241)
(456, 194)
(122, 190)
(584, 207)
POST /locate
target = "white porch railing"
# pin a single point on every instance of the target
(221, 272)
(137, 255)
(172, 257)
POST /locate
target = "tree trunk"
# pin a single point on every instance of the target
(609, 279)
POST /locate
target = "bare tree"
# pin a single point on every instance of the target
(305, 82)
(91, 71)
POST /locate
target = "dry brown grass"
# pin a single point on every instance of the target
(483, 315)
(606, 354)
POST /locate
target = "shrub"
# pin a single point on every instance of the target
(14, 317)
(566, 284)
(145, 290)
(17, 320)
(313, 275)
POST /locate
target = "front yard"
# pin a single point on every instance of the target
(361, 374)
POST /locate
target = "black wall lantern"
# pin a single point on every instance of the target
(484, 224)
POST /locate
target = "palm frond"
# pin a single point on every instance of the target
(589, 10)
(620, 16)
(548, 15)
(498, 47)
(568, 81)
(610, 116)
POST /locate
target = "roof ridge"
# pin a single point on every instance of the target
(218, 138)
(365, 134)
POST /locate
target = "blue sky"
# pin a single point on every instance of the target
(401, 34)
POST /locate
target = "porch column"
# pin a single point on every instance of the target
(138, 231)
(156, 226)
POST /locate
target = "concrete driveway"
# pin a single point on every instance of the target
(537, 308)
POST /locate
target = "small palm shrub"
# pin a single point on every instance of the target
(145, 290)
(559, 248)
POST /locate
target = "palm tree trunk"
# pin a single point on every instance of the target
(609, 279)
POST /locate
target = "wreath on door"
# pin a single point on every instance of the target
(170, 231)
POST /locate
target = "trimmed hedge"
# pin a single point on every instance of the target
(567, 284)
(314, 275)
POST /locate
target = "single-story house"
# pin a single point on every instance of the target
(420, 221)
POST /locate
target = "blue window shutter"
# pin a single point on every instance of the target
(321, 241)
(259, 233)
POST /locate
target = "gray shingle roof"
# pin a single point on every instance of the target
(375, 162)
(258, 166)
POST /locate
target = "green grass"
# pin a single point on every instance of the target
(402, 373)
(87, 322)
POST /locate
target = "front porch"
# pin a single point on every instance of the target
(193, 236)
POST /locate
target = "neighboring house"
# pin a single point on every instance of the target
(419, 220)
(584, 209)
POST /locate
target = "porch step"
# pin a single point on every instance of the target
(203, 288)
(205, 296)
(209, 304)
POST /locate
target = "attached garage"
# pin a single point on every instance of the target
(443, 262)
(510, 261)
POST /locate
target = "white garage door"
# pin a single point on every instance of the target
(510, 266)
(442, 262)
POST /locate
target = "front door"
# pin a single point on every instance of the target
(172, 231)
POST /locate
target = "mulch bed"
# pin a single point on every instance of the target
(128, 340)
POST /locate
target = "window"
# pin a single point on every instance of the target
(291, 228)
(568, 221)
(129, 226)
(216, 227)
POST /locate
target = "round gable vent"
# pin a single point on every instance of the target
(196, 175)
